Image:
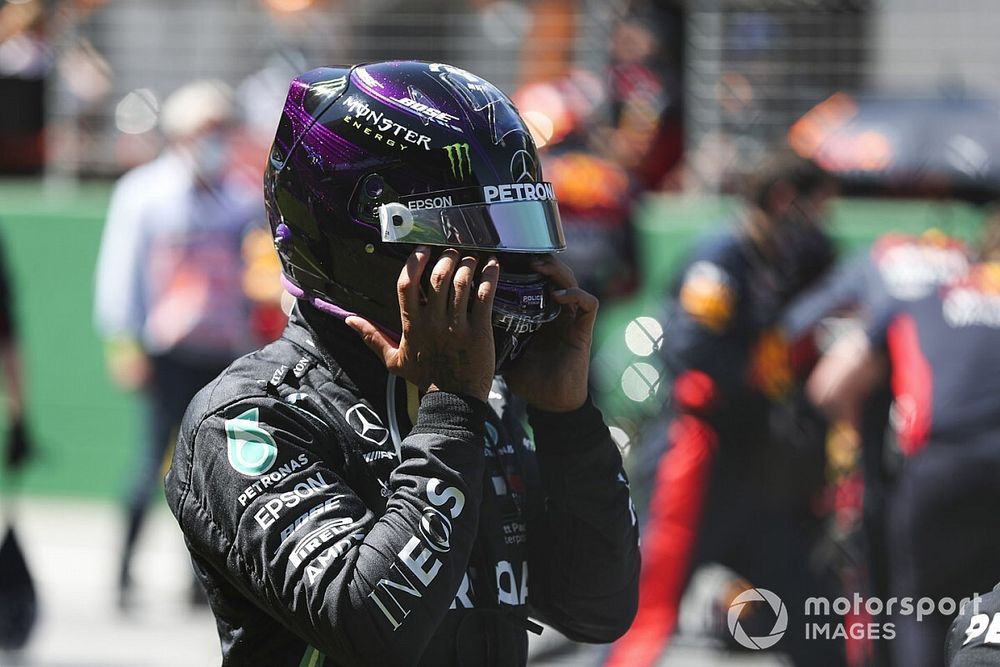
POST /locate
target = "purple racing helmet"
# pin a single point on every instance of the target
(372, 160)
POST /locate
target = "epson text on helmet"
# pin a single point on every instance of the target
(518, 192)
(429, 202)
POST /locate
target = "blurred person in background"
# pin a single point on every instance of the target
(25, 64)
(899, 267)
(941, 354)
(260, 97)
(364, 490)
(644, 133)
(595, 192)
(18, 598)
(16, 449)
(170, 301)
(595, 203)
(606, 140)
(733, 487)
(903, 267)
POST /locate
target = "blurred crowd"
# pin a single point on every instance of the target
(829, 426)
(830, 432)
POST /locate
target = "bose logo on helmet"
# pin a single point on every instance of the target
(519, 192)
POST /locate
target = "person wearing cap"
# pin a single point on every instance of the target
(169, 301)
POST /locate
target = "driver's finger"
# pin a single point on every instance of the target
(462, 284)
(408, 284)
(375, 339)
(584, 302)
(482, 307)
(440, 280)
(555, 269)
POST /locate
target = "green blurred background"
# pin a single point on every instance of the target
(87, 430)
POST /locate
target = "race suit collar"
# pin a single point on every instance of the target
(339, 347)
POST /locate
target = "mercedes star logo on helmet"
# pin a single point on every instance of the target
(367, 424)
(780, 619)
(522, 167)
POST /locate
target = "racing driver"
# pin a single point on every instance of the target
(414, 473)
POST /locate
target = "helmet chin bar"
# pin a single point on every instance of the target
(521, 325)
(507, 347)
(521, 307)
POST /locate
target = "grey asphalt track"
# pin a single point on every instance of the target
(72, 549)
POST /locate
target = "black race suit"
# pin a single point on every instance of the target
(323, 538)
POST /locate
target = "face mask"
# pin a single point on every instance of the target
(209, 156)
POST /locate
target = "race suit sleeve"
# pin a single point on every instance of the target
(282, 525)
(584, 547)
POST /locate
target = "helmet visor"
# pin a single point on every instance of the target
(508, 226)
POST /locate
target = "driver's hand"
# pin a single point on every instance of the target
(445, 343)
(552, 372)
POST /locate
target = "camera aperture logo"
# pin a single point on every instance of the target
(780, 619)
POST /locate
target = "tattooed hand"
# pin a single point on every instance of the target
(445, 344)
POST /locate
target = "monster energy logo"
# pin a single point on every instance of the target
(458, 157)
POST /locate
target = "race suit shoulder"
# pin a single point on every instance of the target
(324, 538)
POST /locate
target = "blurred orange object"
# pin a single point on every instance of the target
(770, 365)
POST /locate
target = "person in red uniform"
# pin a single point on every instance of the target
(720, 494)
(942, 355)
